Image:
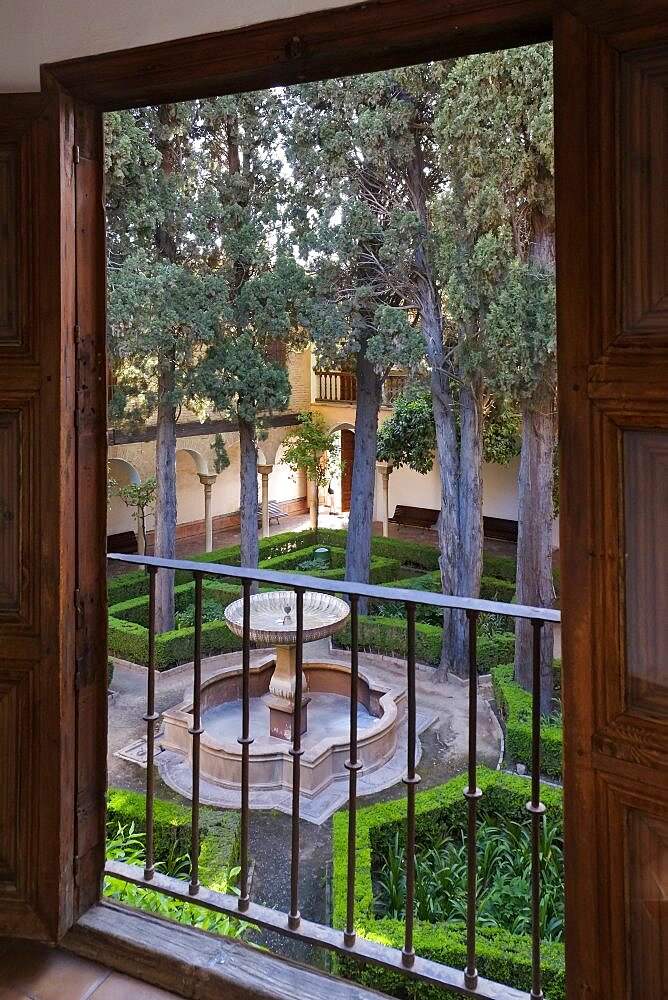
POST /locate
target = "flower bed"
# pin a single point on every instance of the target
(501, 955)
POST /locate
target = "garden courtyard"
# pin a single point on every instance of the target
(442, 724)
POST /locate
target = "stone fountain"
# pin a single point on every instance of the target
(273, 621)
(325, 716)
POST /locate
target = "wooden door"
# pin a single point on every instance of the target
(38, 525)
(347, 457)
(611, 94)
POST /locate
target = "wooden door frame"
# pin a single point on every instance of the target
(383, 34)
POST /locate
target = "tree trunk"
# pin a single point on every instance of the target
(454, 652)
(469, 563)
(360, 519)
(165, 496)
(534, 543)
(248, 497)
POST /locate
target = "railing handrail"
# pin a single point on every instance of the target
(299, 581)
(466, 982)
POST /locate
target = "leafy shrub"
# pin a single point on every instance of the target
(503, 879)
(211, 612)
(515, 706)
(219, 830)
(501, 955)
(127, 844)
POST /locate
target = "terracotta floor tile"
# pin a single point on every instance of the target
(120, 987)
(46, 974)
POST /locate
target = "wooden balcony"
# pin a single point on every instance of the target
(341, 387)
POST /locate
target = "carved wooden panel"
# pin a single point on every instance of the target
(10, 512)
(646, 549)
(8, 246)
(15, 755)
(647, 867)
(644, 166)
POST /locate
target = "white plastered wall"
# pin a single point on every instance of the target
(33, 32)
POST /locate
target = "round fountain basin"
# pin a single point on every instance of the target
(380, 711)
(273, 617)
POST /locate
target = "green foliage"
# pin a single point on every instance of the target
(221, 459)
(139, 496)
(503, 879)
(172, 828)
(409, 436)
(379, 634)
(312, 447)
(211, 612)
(440, 812)
(218, 852)
(515, 706)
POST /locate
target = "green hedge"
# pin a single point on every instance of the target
(135, 582)
(501, 956)
(136, 609)
(515, 706)
(388, 636)
(219, 831)
(129, 641)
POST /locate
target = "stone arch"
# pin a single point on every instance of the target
(343, 425)
(201, 464)
(128, 468)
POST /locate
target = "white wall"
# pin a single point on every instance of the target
(499, 490)
(33, 32)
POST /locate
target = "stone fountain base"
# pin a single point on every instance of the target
(274, 791)
(326, 746)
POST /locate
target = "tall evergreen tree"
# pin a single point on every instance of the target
(165, 301)
(374, 138)
(352, 229)
(495, 130)
(246, 239)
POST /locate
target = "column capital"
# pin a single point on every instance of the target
(206, 480)
(385, 468)
(264, 470)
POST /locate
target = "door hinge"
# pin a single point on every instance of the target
(76, 154)
(78, 608)
(76, 867)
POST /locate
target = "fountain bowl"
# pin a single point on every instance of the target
(270, 624)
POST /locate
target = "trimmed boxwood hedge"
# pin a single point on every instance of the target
(129, 641)
(501, 956)
(136, 609)
(219, 831)
(515, 706)
(388, 636)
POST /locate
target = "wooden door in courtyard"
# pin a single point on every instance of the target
(347, 457)
(611, 99)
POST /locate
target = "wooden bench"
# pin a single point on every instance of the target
(501, 528)
(414, 517)
(124, 541)
(275, 512)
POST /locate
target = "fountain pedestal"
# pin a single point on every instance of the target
(282, 716)
(272, 620)
(281, 697)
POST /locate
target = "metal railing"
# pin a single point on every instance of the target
(341, 387)
(468, 982)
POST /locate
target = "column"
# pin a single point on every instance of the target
(385, 468)
(264, 471)
(207, 482)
